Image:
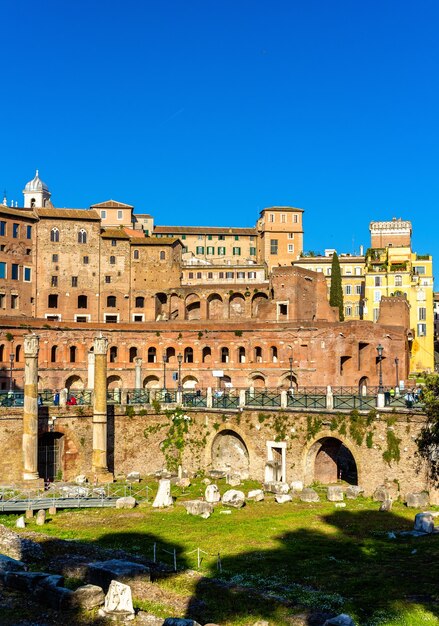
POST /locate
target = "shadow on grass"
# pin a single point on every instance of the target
(353, 569)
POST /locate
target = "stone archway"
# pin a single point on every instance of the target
(230, 454)
(151, 382)
(74, 382)
(114, 382)
(329, 460)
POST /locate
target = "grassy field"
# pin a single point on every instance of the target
(276, 560)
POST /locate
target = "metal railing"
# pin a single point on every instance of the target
(138, 396)
(194, 398)
(225, 400)
(306, 400)
(262, 398)
(354, 402)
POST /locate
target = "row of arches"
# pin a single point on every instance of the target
(215, 306)
(55, 237)
(14, 351)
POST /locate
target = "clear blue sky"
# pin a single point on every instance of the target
(206, 111)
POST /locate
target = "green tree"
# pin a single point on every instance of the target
(336, 291)
(428, 440)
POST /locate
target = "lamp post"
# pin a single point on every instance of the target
(11, 380)
(291, 372)
(165, 359)
(397, 376)
(180, 360)
(380, 350)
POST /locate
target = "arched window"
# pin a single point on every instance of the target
(82, 302)
(258, 354)
(224, 355)
(53, 352)
(133, 354)
(206, 354)
(241, 355)
(32, 203)
(398, 280)
(112, 260)
(162, 255)
(188, 355)
(72, 354)
(52, 301)
(113, 354)
(152, 355)
(2, 352)
(82, 236)
(136, 255)
(273, 351)
(54, 235)
(111, 301)
(140, 302)
(17, 353)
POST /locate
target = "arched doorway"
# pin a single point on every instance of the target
(114, 382)
(151, 382)
(74, 382)
(50, 455)
(229, 452)
(362, 386)
(328, 461)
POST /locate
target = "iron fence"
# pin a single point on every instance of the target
(11, 398)
(262, 398)
(354, 402)
(194, 398)
(225, 400)
(138, 396)
(306, 401)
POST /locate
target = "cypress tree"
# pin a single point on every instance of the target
(336, 290)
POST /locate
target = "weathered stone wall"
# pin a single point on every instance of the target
(145, 443)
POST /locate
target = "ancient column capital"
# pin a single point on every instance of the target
(31, 345)
(100, 345)
(138, 362)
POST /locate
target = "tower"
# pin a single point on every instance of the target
(36, 193)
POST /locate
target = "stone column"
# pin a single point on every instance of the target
(138, 375)
(91, 370)
(99, 458)
(30, 411)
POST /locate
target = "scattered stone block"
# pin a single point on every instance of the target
(381, 493)
(29, 514)
(52, 510)
(206, 481)
(88, 597)
(309, 495)
(198, 507)
(20, 523)
(234, 498)
(11, 565)
(183, 483)
(353, 491)
(424, 523)
(217, 474)
(118, 601)
(81, 479)
(128, 502)
(24, 581)
(212, 494)
(133, 477)
(340, 505)
(257, 495)
(335, 493)
(101, 573)
(341, 620)
(417, 500)
(234, 480)
(41, 517)
(386, 505)
(281, 498)
(276, 487)
(163, 497)
(296, 485)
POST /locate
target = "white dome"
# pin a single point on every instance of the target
(36, 184)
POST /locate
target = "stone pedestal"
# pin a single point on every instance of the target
(99, 457)
(30, 410)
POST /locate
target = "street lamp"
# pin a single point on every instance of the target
(380, 350)
(291, 372)
(11, 380)
(165, 359)
(396, 366)
(180, 360)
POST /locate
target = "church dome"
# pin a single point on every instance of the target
(36, 184)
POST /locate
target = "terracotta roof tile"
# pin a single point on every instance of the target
(69, 214)
(4, 210)
(204, 230)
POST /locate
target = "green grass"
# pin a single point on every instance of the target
(277, 560)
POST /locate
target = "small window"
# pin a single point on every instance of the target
(85, 260)
(27, 274)
(200, 237)
(237, 251)
(221, 237)
(198, 274)
(111, 319)
(358, 271)
(136, 255)
(398, 280)
(82, 302)
(378, 281)
(112, 260)
(74, 281)
(54, 235)
(140, 302)
(252, 251)
(290, 235)
(152, 355)
(133, 354)
(240, 275)
(162, 255)
(422, 314)
(14, 301)
(15, 230)
(73, 351)
(230, 275)
(52, 301)
(200, 250)
(210, 250)
(114, 242)
(14, 271)
(210, 275)
(236, 237)
(113, 354)
(422, 330)
(209, 237)
(377, 296)
(274, 245)
(2, 228)
(55, 258)
(103, 214)
(358, 290)
(251, 275)
(54, 281)
(107, 280)
(190, 275)
(2, 269)
(291, 247)
(183, 237)
(283, 218)
(295, 218)
(221, 251)
(221, 275)
(120, 215)
(53, 355)
(138, 318)
(348, 290)
(271, 217)
(348, 311)
(111, 301)
(82, 236)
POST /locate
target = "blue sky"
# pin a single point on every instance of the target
(206, 111)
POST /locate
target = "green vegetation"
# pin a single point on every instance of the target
(277, 560)
(336, 289)
(428, 440)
